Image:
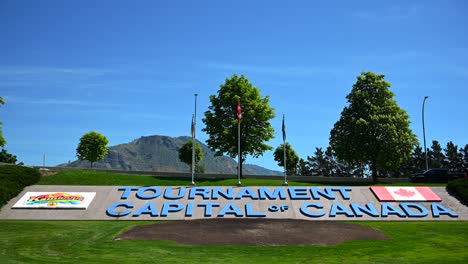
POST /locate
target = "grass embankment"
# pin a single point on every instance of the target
(92, 242)
(112, 179)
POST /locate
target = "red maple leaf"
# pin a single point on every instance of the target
(404, 192)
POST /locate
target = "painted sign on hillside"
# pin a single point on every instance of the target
(188, 203)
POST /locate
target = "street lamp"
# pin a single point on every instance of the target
(424, 131)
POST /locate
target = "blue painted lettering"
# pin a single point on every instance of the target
(298, 193)
(265, 192)
(387, 209)
(230, 208)
(305, 210)
(369, 209)
(409, 210)
(155, 193)
(246, 192)
(338, 208)
(438, 209)
(171, 208)
(180, 194)
(111, 211)
(148, 208)
(249, 212)
(216, 192)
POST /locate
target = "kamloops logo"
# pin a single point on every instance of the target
(64, 200)
(55, 198)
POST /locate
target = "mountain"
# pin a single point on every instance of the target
(161, 153)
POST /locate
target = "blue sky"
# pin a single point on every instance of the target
(128, 69)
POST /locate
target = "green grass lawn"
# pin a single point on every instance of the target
(92, 242)
(112, 179)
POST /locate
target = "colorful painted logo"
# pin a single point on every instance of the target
(53, 199)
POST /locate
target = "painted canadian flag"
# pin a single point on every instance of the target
(419, 194)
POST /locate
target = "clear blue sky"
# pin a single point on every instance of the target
(130, 69)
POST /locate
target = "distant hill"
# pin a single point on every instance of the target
(161, 153)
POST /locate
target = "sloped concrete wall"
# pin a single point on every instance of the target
(309, 203)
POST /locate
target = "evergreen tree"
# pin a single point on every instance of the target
(454, 160)
(436, 156)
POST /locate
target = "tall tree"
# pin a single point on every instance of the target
(453, 159)
(435, 155)
(318, 163)
(416, 162)
(372, 129)
(221, 119)
(303, 168)
(464, 154)
(92, 147)
(2, 139)
(185, 155)
(7, 157)
(292, 159)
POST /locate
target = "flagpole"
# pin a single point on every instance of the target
(284, 152)
(194, 121)
(239, 116)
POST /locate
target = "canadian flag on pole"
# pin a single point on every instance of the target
(390, 194)
(239, 112)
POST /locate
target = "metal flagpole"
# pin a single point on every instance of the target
(193, 150)
(194, 123)
(284, 150)
(239, 117)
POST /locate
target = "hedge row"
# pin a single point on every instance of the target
(459, 189)
(13, 179)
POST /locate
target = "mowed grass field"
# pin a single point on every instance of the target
(93, 241)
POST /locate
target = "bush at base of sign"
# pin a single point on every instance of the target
(13, 179)
(459, 189)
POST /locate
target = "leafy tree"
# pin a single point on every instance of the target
(292, 159)
(185, 155)
(454, 160)
(372, 129)
(2, 139)
(92, 147)
(221, 119)
(7, 157)
(435, 156)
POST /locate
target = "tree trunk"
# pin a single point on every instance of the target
(374, 171)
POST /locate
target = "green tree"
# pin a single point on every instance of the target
(7, 157)
(318, 163)
(454, 160)
(372, 129)
(416, 162)
(185, 155)
(2, 139)
(221, 119)
(435, 156)
(292, 159)
(92, 147)
(303, 168)
(464, 154)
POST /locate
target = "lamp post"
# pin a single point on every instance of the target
(424, 131)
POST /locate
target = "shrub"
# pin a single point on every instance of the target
(459, 189)
(13, 179)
